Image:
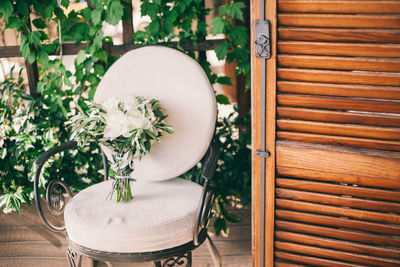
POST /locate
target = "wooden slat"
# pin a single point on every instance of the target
(339, 49)
(286, 264)
(33, 233)
(312, 260)
(332, 200)
(339, 20)
(341, 103)
(339, 63)
(366, 91)
(336, 211)
(337, 189)
(344, 77)
(334, 254)
(323, 6)
(32, 249)
(347, 178)
(338, 222)
(206, 261)
(339, 160)
(115, 50)
(337, 244)
(340, 35)
(339, 129)
(339, 140)
(34, 261)
(338, 116)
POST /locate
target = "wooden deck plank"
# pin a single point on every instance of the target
(24, 241)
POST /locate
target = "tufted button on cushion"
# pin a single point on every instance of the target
(160, 216)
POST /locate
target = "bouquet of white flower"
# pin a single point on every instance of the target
(127, 128)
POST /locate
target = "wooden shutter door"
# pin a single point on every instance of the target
(337, 145)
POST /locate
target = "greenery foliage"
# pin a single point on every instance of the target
(31, 125)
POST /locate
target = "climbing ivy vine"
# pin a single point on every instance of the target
(33, 124)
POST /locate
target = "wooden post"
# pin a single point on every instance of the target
(127, 26)
(263, 244)
(202, 18)
(33, 77)
(31, 70)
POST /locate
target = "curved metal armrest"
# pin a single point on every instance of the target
(55, 202)
(207, 197)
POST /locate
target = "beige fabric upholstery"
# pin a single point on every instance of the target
(160, 216)
(184, 91)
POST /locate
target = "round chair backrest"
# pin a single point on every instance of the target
(185, 93)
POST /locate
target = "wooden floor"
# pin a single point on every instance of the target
(24, 241)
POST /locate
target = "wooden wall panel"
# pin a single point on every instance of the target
(338, 133)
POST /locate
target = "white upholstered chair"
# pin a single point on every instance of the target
(168, 216)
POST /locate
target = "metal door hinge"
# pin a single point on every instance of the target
(263, 154)
(263, 39)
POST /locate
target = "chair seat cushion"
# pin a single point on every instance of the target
(161, 216)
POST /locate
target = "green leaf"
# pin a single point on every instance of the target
(224, 9)
(58, 12)
(236, 10)
(170, 20)
(31, 57)
(202, 28)
(238, 35)
(221, 49)
(217, 26)
(228, 216)
(115, 11)
(27, 97)
(91, 93)
(220, 225)
(39, 23)
(81, 57)
(13, 22)
(99, 69)
(149, 9)
(34, 38)
(25, 50)
(48, 12)
(222, 99)
(98, 39)
(96, 16)
(224, 80)
(15, 204)
(3, 154)
(43, 57)
(65, 3)
(23, 8)
(20, 195)
(6, 8)
(150, 134)
(4, 199)
(139, 36)
(153, 27)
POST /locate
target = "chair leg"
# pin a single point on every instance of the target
(74, 258)
(214, 252)
(180, 260)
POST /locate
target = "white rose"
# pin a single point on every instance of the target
(135, 120)
(130, 103)
(115, 124)
(111, 105)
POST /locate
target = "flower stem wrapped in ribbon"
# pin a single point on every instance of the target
(126, 129)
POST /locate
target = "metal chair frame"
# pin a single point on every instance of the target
(170, 257)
